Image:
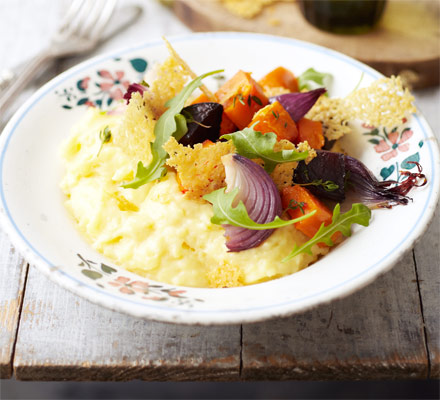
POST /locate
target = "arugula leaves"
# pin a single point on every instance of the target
(359, 214)
(252, 144)
(312, 79)
(225, 213)
(171, 123)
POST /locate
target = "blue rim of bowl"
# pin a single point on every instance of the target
(26, 245)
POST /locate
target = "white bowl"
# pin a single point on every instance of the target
(34, 216)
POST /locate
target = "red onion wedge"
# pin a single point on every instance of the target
(298, 104)
(346, 173)
(260, 196)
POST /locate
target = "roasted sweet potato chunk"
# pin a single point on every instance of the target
(241, 97)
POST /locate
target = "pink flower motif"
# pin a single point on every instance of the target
(120, 280)
(381, 147)
(113, 83)
(366, 126)
(395, 144)
(155, 298)
(117, 94)
(84, 83)
(127, 287)
(176, 293)
(139, 286)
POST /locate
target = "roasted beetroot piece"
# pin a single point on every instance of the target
(204, 121)
(329, 175)
(324, 176)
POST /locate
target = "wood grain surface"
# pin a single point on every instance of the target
(12, 280)
(406, 40)
(65, 337)
(376, 333)
(427, 258)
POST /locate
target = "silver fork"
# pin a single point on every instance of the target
(79, 31)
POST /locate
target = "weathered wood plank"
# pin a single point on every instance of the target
(376, 333)
(12, 282)
(65, 337)
(427, 250)
(427, 258)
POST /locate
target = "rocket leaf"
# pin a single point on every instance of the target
(312, 79)
(359, 214)
(225, 213)
(252, 144)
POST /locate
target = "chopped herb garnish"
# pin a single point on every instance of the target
(285, 124)
(275, 114)
(104, 135)
(189, 119)
(294, 205)
(249, 101)
(240, 99)
(257, 100)
(329, 186)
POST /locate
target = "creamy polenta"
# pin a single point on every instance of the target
(155, 231)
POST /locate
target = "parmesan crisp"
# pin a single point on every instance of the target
(136, 130)
(169, 80)
(333, 115)
(383, 103)
(200, 170)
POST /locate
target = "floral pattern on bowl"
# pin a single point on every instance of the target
(103, 87)
(390, 145)
(103, 275)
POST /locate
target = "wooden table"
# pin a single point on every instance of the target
(388, 330)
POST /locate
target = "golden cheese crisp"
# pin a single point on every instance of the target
(333, 115)
(383, 103)
(167, 80)
(200, 169)
(135, 131)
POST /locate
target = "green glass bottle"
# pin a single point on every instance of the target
(343, 16)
